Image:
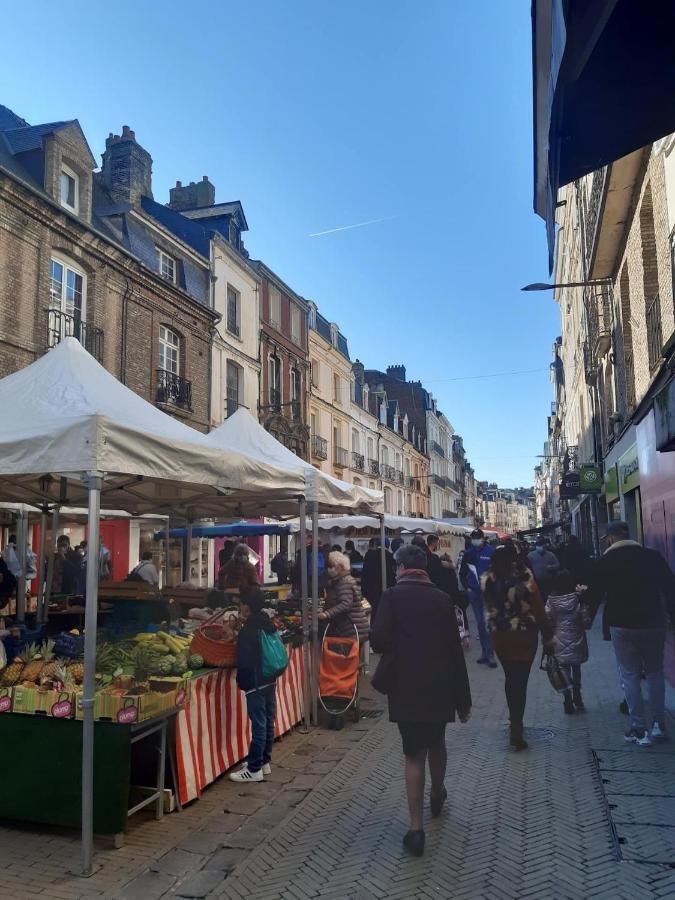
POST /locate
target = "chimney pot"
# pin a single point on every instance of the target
(179, 184)
(205, 177)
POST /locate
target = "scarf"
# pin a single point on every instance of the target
(618, 544)
(414, 575)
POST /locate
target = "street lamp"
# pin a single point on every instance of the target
(540, 286)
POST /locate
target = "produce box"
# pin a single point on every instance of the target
(127, 709)
(6, 699)
(31, 701)
(177, 685)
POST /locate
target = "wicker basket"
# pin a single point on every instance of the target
(209, 642)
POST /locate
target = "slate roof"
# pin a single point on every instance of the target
(9, 119)
(231, 208)
(21, 140)
(191, 232)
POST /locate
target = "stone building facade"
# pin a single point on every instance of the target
(79, 257)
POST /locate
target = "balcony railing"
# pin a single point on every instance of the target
(340, 457)
(61, 325)
(374, 467)
(654, 337)
(319, 447)
(452, 485)
(275, 399)
(629, 369)
(449, 514)
(436, 447)
(593, 211)
(599, 303)
(233, 327)
(438, 480)
(399, 477)
(388, 472)
(358, 461)
(173, 390)
(412, 483)
(296, 410)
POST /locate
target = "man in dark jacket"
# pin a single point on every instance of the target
(260, 692)
(476, 562)
(427, 682)
(638, 588)
(371, 574)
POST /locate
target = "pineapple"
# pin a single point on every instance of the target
(62, 678)
(50, 663)
(76, 670)
(32, 657)
(11, 673)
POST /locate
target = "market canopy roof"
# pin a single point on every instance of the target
(398, 524)
(235, 529)
(241, 433)
(604, 81)
(65, 415)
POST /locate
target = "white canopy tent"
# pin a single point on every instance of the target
(398, 524)
(74, 434)
(241, 433)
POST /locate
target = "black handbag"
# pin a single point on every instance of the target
(383, 676)
(549, 664)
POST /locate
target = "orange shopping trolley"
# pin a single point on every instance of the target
(339, 669)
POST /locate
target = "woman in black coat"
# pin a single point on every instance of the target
(426, 678)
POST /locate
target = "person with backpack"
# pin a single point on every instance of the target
(261, 658)
(570, 646)
(146, 570)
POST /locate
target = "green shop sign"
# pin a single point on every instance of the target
(611, 485)
(590, 479)
(629, 470)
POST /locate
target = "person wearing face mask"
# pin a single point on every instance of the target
(475, 563)
(544, 566)
(343, 611)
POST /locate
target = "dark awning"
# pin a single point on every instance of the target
(543, 529)
(604, 83)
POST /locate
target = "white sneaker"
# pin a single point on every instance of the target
(244, 775)
(267, 769)
(658, 731)
(638, 736)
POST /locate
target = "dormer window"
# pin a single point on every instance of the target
(167, 266)
(334, 335)
(312, 316)
(70, 190)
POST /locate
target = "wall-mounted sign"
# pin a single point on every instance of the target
(590, 479)
(611, 485)
(569, 486)
(629, 470)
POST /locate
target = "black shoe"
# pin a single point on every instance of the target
(577, 700)
(492, 664)
(517, 739)
(482, 661)
(623, 707)
(568, 705)
(414, 842)
(437, 803)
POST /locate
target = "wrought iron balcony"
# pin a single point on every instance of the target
(319, 447)
(275, 399)
(594, 207)
(436, 447)
(388, 472)
(173, 390)
(438, 480)
(399, 477)
(599, 304)
(374, 467)
(61, 325)
(412, 483)
(452, 485)
(340, 457)
(358, 461)
(296, 410)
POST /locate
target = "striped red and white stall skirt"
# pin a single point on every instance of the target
(213, 731)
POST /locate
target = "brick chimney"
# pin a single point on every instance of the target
(397, 372)
(127, 168)
(359, 371)
(192, 196)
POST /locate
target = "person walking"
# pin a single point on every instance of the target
(576, 560)
(260, 692)
(354, 556)
(544, 564)
(280, 566)
(371, 574)
(638, 590)
(515, 618)
(425, 678)
(239, 572)
(475, 564)
(565, 614)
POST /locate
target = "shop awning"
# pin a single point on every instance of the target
(603, 84)
(237, 529)
(543, 529)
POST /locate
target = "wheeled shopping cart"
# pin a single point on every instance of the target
(339, 669)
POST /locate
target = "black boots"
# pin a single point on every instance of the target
(578, 702)
(517, 739)
(568, 705)
(414, 842)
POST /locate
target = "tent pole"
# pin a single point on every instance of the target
(167, 551)
(306, 655)
(90, 616)
(188, 554)
(383, 556)
(315, 612)
(41, 608)
(21, 538)
(50, 560)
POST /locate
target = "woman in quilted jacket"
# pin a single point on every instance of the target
(564, 610)
(343, 610)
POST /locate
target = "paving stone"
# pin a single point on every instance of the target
(201, 842)
(289, 797)
(226, 859)
(305, 782)
(200, 884)
(177, 862)
(280, 775)
(224, 823)
(246, 838)
(243, 805)
(148, 886)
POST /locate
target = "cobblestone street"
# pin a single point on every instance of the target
(579, 815)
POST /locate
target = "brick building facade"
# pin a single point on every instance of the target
(78, 257)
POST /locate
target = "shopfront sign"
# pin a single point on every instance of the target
(590, 479)
(664, 418)
(569, 486)
(611, 485)
(629, 471)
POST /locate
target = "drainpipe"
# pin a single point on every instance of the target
(125, 314)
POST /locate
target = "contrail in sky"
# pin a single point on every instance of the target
(347, 227)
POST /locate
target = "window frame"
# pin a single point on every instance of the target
(274, 291)
(163, 342)
(337, 389)
(236, 331)
(296, 319)
(79, 273)
(274, 380)
(164, 256)
(233, 366)
(70, 173)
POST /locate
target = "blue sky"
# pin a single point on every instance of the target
(320, 115)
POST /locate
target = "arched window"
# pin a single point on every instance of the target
(169, 350)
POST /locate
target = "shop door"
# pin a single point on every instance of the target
(115, 535)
